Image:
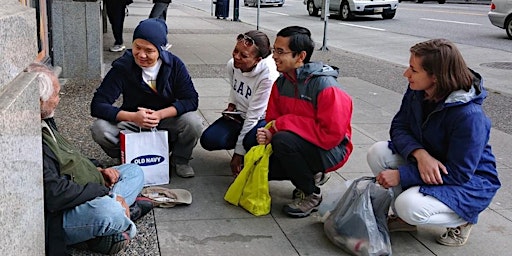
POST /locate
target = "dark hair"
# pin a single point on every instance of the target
(442, 59)
(300, 40)
(261, 41)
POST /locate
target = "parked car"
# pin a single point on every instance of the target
(501, 15)
(346, 9)
(421, 1)
(264, 2)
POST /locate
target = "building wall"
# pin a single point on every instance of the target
(21, 182)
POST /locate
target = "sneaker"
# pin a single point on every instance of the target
(320, 179)
(455, 236)
(184, 170)
(301, 208)
(141, 207)
(396, 224)
(109, 244)
(117, 48)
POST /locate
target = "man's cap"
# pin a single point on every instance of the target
(154, 31)
(166, 197)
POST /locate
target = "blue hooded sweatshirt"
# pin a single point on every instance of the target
(174, 88)
(456, 133)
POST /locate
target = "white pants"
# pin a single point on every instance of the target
(410, 205)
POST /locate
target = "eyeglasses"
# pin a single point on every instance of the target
(280, 52)
(247, 40)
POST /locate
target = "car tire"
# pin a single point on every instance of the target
(345, 13)
(441, 1)
(388, 15)
(245, 3)
(280, 5)
(312, 10)
(508, 27)
(419, 1)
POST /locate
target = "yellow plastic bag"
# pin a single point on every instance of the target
(250, 188)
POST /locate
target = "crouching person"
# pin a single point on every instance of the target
(84, 205)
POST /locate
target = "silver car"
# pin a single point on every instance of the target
(264, 2)
(501, 15)
(346, 9)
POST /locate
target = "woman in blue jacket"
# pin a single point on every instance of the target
(439, 154)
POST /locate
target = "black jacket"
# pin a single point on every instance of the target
(61, 194)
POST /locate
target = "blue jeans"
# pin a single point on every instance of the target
(104, 215)
(223, 134)
(159, 10)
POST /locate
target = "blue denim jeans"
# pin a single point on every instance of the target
(223, 134)
(104, 215)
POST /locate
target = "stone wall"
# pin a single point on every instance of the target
(21, 181)
(78, 38)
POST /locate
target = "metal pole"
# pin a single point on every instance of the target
(325, 13)
(258, 17)
(211, 7)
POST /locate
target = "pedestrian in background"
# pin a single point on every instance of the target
(439, 153)
(159, 9)
(251, 73)
(116, 11)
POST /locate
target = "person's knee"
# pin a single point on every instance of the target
(409, 210)
(133, 172)
(103, 131)
(192, 125)
(375, 156)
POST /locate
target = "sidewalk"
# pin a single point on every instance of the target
(210, 226)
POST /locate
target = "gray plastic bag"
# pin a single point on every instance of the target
(358, 223)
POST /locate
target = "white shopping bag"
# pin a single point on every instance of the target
(148, 149)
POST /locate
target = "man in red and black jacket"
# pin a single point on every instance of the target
(311, 131)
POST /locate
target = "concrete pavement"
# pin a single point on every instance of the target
(210, 226)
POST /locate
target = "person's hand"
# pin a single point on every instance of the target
(146, 118)
(263, 136)
(430, 168)
(231, 107)
(388, 178)
(110, 175)
(123, 203)
(236, 164)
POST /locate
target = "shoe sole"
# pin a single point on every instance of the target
(301, 214)
(120, 50)
(186, 175)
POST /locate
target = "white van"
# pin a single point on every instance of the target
(501, 15)
(346, 9)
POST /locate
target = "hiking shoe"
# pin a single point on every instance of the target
(320, 179)
(117, 48)
(455, 236)
(184, 170)
(396, 224)
(141, 207)
(109, 244)
(301, 208)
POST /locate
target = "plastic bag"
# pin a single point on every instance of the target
(358, 224)
(250, 189)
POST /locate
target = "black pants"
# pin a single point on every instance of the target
(295, 159)
(116, 13)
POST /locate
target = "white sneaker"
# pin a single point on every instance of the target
(117, 48)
